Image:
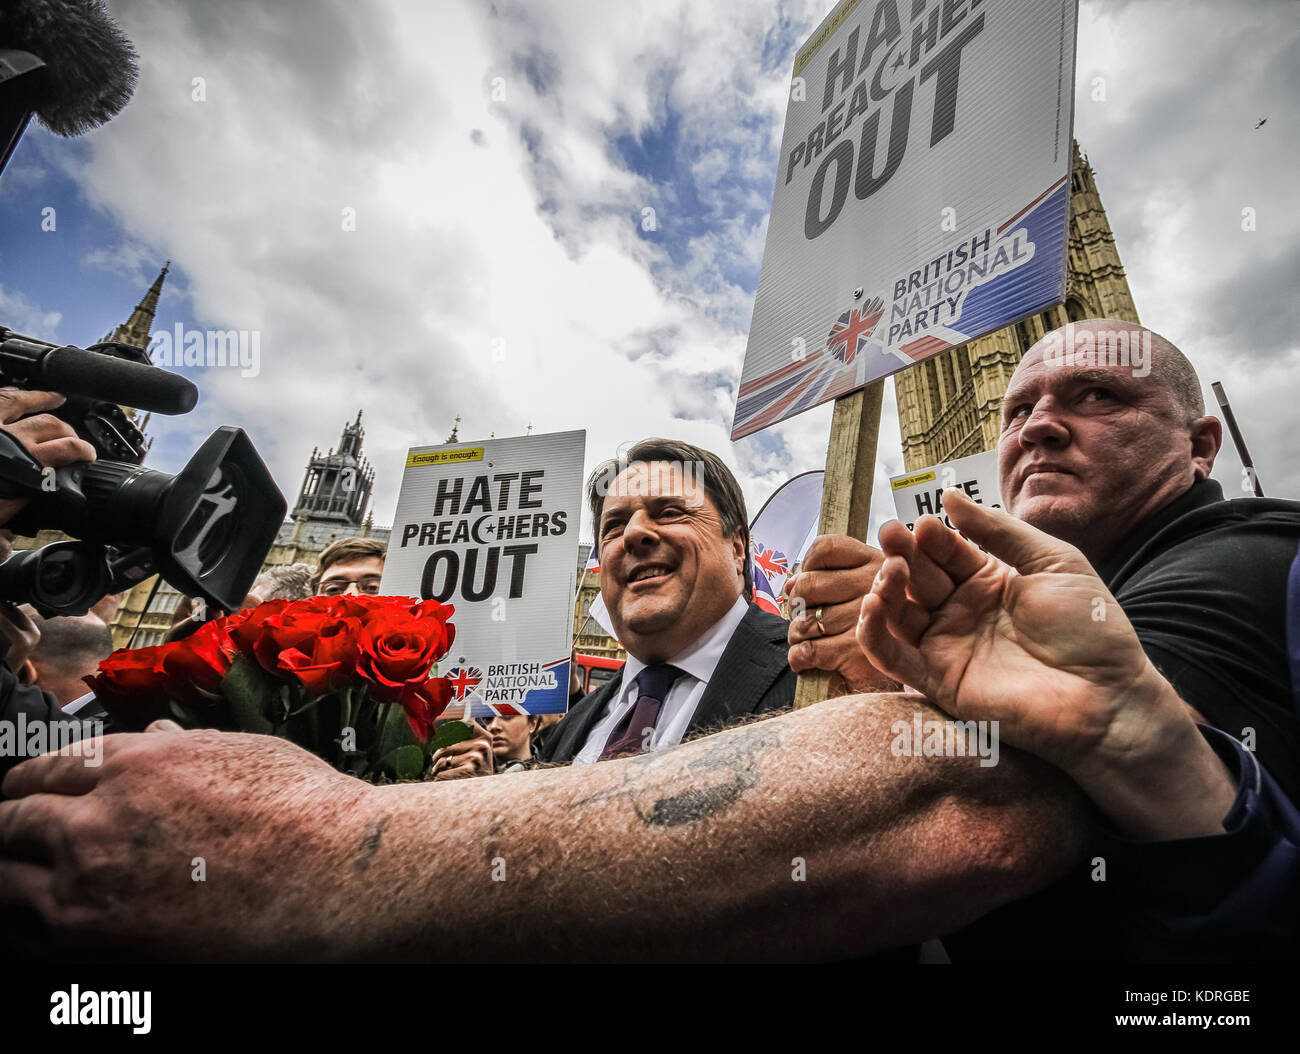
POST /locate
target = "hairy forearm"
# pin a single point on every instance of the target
(798, 837)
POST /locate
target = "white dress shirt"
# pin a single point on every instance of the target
(697, 663)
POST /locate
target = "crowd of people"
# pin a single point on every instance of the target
(1128, 633)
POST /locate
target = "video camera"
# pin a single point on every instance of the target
(206, 530)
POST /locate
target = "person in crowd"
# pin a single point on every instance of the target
(350, 565)
(466, 759)
(806, 835)
(512, 740)
(673, 539)
(68, 648)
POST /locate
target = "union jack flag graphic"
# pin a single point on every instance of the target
(774, 563)
(464, 681)
(853, 329)
(764, 595)
(815, 378)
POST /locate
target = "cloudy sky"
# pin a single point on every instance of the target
(499, 159)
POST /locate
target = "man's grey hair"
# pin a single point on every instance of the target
(286, 582)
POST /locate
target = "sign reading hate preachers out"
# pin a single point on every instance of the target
(921, 197)
(920, 493)
(491, 527)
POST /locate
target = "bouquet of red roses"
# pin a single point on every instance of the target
(353, 679)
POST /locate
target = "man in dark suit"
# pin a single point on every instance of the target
(673, 540)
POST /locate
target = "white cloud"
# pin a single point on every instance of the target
(1178, 157)
(23, 316)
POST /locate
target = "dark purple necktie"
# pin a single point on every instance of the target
(629, 735)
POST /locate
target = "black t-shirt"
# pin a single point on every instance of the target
(1204, 584)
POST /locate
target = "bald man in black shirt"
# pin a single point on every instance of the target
(1105, 444)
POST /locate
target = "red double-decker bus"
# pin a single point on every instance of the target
(595, 670)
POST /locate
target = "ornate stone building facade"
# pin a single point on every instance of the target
(588, 637)
(949, 405)
(333, 502)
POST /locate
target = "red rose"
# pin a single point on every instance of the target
(294, 629)
(200, 661)
(433, 609)
(327, 661)
(398, 650)
(245, 626)
(364, 606)
(319, 605)
(424, 703)
(131, 685)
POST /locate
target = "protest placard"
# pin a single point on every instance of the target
(921, 195)
(491, 527)
(920, 493)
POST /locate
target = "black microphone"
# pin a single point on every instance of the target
(67, 61)
(90, 65)
(75, 371)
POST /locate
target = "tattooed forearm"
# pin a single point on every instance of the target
(370, 843)
(699, 803)
(669, 797)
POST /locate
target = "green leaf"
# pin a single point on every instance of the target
(206, 696)
(405, 763)
(449, 732)
(249, 690)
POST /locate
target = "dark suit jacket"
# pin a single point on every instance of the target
(752, 677)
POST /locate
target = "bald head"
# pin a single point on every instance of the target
(1113, 343)
(1103, 424)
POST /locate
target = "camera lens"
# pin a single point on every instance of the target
(57, 574)
(62, 578)
(206, 536)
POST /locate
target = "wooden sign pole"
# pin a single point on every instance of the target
(846, 492)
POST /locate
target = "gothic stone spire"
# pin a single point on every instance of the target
(135, 331)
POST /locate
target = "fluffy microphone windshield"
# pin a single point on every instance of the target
(91, 65)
